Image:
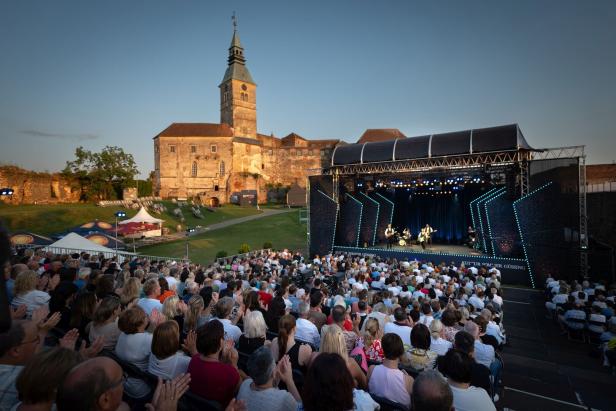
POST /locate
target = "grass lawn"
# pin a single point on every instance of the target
(282, 230)
(52, 219)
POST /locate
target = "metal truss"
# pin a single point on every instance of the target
(583, 216)
(469, 161)
(558, 152)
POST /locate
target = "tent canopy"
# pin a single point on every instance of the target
(143, 217)
(73, 241)
(24, 238)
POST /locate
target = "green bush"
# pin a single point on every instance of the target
(267, 244)
(244, 248)
(221, 254)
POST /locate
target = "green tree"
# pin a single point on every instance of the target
(102, 176)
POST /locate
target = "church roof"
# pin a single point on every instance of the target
(380, 134)
(237, 69)
(197, 130)
(293, 136)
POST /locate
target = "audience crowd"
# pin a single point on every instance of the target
(273, 331)
(584, 311)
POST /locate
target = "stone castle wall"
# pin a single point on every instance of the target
(30, 187)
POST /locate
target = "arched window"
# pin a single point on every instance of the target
(222, 168)
(194, 169)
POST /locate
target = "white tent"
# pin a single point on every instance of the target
(75, 242)
(143, 217)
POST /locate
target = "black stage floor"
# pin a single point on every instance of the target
(435, 248)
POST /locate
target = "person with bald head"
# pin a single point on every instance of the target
(94, 385)
(431, 392)
(484, 353)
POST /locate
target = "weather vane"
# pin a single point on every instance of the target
(234, 19)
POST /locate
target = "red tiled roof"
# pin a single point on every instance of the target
(380, 134)
(197, 130)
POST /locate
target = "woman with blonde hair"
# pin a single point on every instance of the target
(131, 291)
(194, 317)
(372, 340)
(254, 334)
(333, 342)
(438, 344)
(25, 292)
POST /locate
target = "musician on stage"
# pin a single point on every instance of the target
(428, 231)
(472, 237)
(389, 234)
(422, 238)
(406, 235)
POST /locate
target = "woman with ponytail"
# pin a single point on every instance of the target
(194, 315)
(299, 353)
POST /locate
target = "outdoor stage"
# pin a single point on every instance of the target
(489, 181)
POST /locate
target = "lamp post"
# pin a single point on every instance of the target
(188, 231)
(118, 214)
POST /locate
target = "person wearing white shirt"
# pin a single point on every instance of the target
(305, 330)
(166, 359)
(458, 368)
(559, 298)
(151, 288)
(437, 343)
(134, 346)
(484, 353)
(222, 311)
(476, 300)
(400, 326)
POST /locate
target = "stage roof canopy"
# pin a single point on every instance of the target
(458, 143)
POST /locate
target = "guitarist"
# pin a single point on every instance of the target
(389, 235)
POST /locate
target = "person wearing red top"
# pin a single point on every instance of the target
(165, 292)
(213, 370)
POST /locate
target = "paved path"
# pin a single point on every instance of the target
(543, 369)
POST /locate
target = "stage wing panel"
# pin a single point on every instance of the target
(448, 144)
(386, 212)
(349, 222)
(411, 148)
(379, 151)
(370, 217)
(323, 214)
(504, 232)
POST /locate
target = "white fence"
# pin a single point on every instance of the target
(606, 187)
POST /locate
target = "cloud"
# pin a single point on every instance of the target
(45, 134)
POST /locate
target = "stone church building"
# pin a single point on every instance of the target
(218, 161)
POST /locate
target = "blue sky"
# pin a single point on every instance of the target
(117, 72)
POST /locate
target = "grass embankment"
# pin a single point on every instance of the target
(282, 230)
(52, 219)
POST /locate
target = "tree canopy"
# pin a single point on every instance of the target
(103, 175)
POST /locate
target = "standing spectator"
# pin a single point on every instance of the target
(259, 392)
(134, 346)
(25, 292)
(213, 370)
(150, 302)
(254, 335)
(305, 329)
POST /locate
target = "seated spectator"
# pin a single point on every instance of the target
(134, 346)
(437, 343)
(372, 340)
(259, 392)
(61, 300)
(596, 321)
(480, 374)
(130, 292)
(329, 386)
(151, 289)
(38, 382)
(575, 318)
(457, 366)
(339, 316)
(431, 393)
(482, 323)
(387, 380)
(174, 309)
(305, 329)
(285, 344)
(476, 300)
(492, 329)
(82, 312)
(94, 385)
(254, 335)
(420, 356)
(484, 354)
(276, 308)
(222, 311)
(213, 371)
(401, 326)
(426, 316)
(166, 359)
(449, 320)
(316, 314)
(333, 342)
(105, 322)
(165, 292)
(25, 293)
(195, 317)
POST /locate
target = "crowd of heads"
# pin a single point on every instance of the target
(274, 328)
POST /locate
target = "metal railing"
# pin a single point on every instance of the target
(605, 187)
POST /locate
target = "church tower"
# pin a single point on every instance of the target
(238, 92)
